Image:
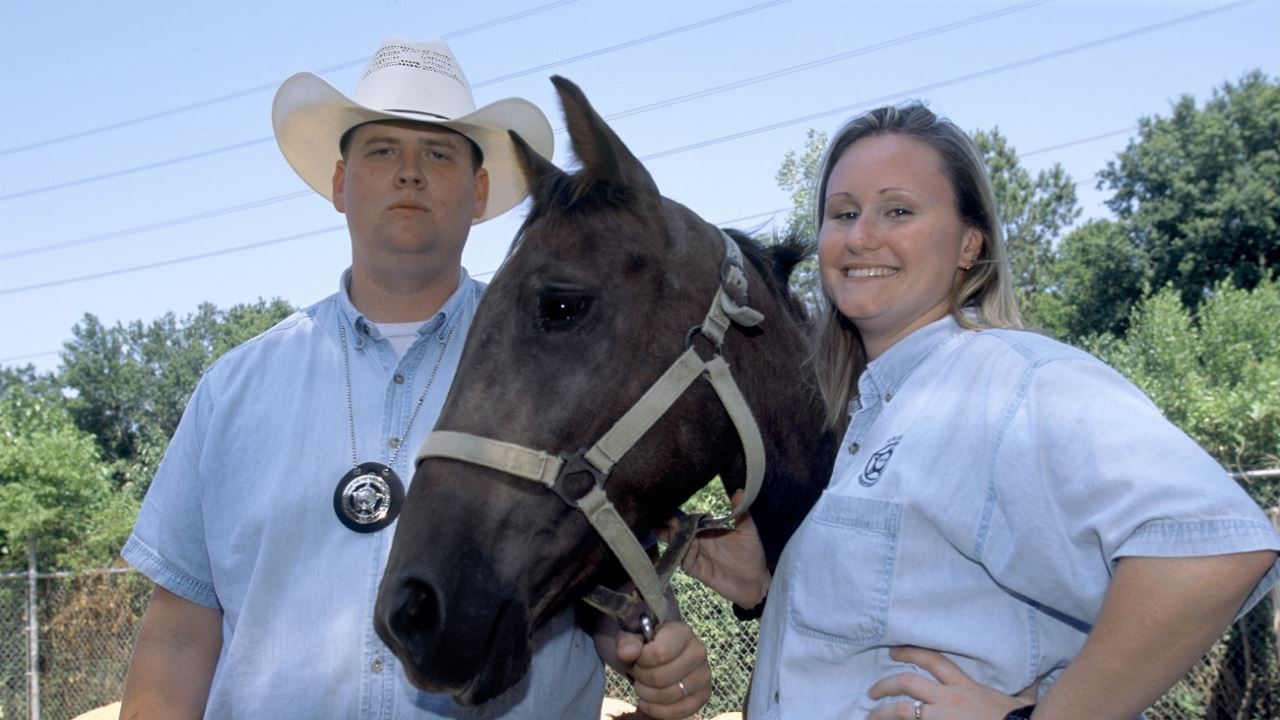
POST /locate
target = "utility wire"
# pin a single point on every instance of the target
(958, 79)
(155, 225)
(275, 241)
(262, 140)
(686, 148)
(883, 45)
(261, 88)
(638, 110)
(635, 42)
(625, 113)
(172, 261)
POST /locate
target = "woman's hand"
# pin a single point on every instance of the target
(953, 696)
(731, 562)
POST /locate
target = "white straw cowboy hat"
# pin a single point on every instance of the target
(416, 81)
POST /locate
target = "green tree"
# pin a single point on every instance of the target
(1199, 191)
(1097, 278)
(130, 383)
(55, 488)
(1215, 374)
(798, 176)
(1034, 211)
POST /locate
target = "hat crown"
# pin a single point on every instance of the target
(415, 77)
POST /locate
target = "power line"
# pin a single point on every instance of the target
(260, 88)
(155, 225)
(955, 80)
(625, 113)
(1081, 141)
(173, 261)
(725, 138)
(30, 356)
(866, 49)
(262, 140)
(134, 169)
(275, 241)
(637, 41)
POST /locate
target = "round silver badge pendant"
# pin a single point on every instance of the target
(368, 498)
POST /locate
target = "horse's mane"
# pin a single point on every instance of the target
(775, 263)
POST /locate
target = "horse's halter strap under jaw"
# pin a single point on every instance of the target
(729, 306)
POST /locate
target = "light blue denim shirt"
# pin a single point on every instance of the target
(240, 518)
(986, 485)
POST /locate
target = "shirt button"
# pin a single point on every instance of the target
(853, 448)
(888, 397)
(394, 443)
(399, 379)
(376, 665)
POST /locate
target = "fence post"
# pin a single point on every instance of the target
(1274, 514)
(33, 629)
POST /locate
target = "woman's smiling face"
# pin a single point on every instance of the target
(892, 241)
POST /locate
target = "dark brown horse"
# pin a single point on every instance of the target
(595, 301)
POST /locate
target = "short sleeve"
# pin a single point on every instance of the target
(168, 539)
(1088, 471)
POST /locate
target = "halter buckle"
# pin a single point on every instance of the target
(577, 464)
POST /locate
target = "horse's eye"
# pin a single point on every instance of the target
(558, 311)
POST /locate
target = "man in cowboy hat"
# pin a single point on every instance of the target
(266, 527)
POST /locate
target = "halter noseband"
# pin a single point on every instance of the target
(727, 307)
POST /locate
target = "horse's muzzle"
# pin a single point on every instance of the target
(467, 637)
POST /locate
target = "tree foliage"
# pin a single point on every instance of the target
(798, 175)
(54, 487)
(78, 447)
(1199, 191)
(130, 383)
(1034, 211)
(1215, 374)
(1096, 277)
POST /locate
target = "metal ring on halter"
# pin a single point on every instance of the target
(646, 627)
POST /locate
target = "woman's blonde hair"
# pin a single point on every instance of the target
(982, 297)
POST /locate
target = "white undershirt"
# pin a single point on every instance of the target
(400, 335)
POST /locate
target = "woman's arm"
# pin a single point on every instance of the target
(1159, 616)
(173, 660)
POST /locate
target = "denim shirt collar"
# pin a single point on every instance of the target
(886, 374)
(363, 329)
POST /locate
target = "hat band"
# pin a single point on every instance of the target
(417, 112)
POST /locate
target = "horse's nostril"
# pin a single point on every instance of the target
(418, 616)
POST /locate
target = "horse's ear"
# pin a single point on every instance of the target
(602, 154)
(532, 164)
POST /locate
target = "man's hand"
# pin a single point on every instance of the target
(671, 676)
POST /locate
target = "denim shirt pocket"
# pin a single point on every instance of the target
(849, 546)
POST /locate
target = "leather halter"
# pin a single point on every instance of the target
(729, 306)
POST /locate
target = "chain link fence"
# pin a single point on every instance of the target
(87, 623)
(86, 626)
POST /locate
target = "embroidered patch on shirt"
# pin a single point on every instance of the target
(872, 473)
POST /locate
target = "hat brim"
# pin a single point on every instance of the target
(310, 116)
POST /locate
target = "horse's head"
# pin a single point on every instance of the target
(595, 301)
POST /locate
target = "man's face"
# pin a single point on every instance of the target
(409, 189)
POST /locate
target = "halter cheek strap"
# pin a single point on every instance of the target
(727, 307)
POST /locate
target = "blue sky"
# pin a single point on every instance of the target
(138, 175)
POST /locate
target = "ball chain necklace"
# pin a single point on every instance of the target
(370, 496)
